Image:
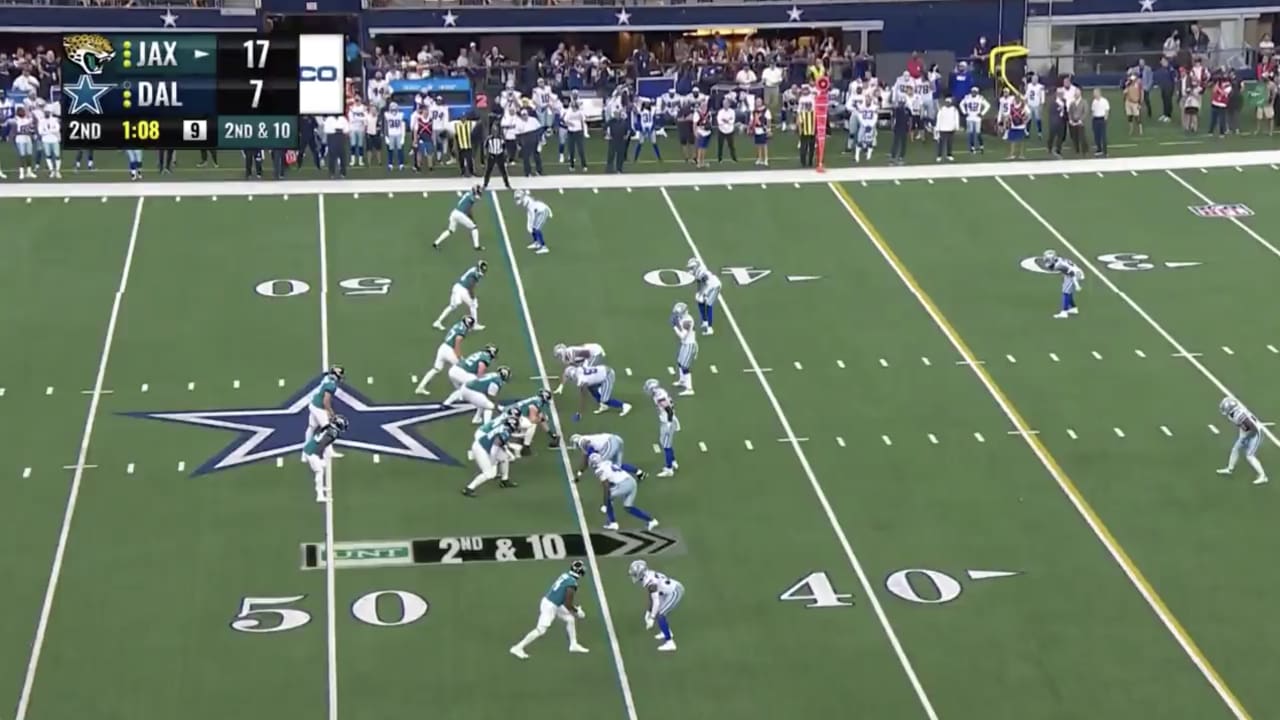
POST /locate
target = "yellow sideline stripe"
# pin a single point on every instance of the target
(1046, 458)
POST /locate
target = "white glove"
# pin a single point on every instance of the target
(648, 621)
(582, 614)
(604, 508)
(697, 297)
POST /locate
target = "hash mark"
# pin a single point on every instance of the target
(1166, 431)
(840, 364)
(1054, 357)
(1204, 171)
(799, 439)
(145, 387)
(355, 195)
(377, 458)
(933, 438)
(763, 370)
(671, 370)
(1, 392)
(930, 181)
(413, 379)
(1096, 355)
(1099, 174)
(1228, 350)
(1072, 434)
(840, 441)
(714, 370)
(100, 392)
(1273, 349)
(279, 462)
(1133, 173)
(26, 473)
(798, 365)
(181, 466)
(73, 467)
(696, 188)
(628, 189)
(369, 380)
(1187, 355)
(48, 390)
(1119, 432)
(748, 444)
(191, 386)
(978, 437)
(728, 186)
(280, 382)
(897, 182)
(235, 384)
(1139, 353)
(657, 450)
(886, 439)
(627, 371)
(884, 363)
(1031, 177)
(925, 360)
(1214, 429)
(595, 190)
(128, 469)
(702, 446)
(1012, 359)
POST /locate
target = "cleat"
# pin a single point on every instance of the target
(1224, 471)
(508, 484)
(1074, 311)
(601, 409)
(1262, 480)
(519, 652)
(666, 472)
(421, 391)
(576, 648)
(476, 327)
(322, 496)
(1061, 316)
(476, 420)
(626, 408)
(675, 466)
(437, 326)
(611, 526)
(336, 454)
(686, 392)
(668, 646)
(531, 246)
(709, 331)
(541, 251)
(468, 492)
(659, 636)
(653, 524)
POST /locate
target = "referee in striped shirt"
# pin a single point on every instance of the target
(462, 130)
(496, 151)
(807, 125)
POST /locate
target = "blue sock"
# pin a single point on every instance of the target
(702, 311)
(613, 403)
(664, 626)
(608, 511)
(637, 512)
(628, 467)
(1067, 302)
(537, 237)
(711, 315)
(670, 455)
(636, 156)
(561, 152)
(656, 152)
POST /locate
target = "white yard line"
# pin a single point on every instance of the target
(330, 581)
(1238, 223)
(64, 534)
(1105, 280)
(624, 683)
(836, 527)
(1068, 488)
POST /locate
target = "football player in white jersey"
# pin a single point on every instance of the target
(664, 595)
(607, 446)
(50, 129)
(596, 381)
(538, 215)
(393, 121)
(358, 117)
(1248, 439)
(586, 354)
(1072, 276)
(687, 351)
(618, 484)
(708, 290)
(668, 425)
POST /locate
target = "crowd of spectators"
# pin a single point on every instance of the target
(25, 71)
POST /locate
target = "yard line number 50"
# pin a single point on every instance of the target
(380, 608)
(288, 287)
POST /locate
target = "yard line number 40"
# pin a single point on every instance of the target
(916, 585)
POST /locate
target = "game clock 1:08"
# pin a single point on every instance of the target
(140, 130)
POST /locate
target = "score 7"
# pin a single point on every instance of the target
(257, 92)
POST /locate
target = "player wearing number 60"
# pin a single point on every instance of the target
(559, 602)
(664, 595)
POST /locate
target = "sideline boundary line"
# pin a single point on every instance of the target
(1046, 458)
(265, 188)
(794, 441)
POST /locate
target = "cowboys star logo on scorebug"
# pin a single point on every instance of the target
(266, 433)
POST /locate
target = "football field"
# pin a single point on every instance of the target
(905, 489)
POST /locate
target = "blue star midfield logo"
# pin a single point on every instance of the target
(272, 432)
(86, 95)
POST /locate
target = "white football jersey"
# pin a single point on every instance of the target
(658, 584)
(1242, 418)
(684, 326)
(662, 401)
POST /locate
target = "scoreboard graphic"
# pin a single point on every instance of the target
(169, 90)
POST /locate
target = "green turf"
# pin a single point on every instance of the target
(838, 434)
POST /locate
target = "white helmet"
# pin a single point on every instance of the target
(650, 386)
(679, 308)
(637, 570)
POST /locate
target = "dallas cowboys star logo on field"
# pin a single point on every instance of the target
(272, 432)
(86, 95)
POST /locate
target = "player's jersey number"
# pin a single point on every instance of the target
(380, 608)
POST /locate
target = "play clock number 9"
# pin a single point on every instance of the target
(141, 130)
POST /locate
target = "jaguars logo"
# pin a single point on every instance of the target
(90, 53)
